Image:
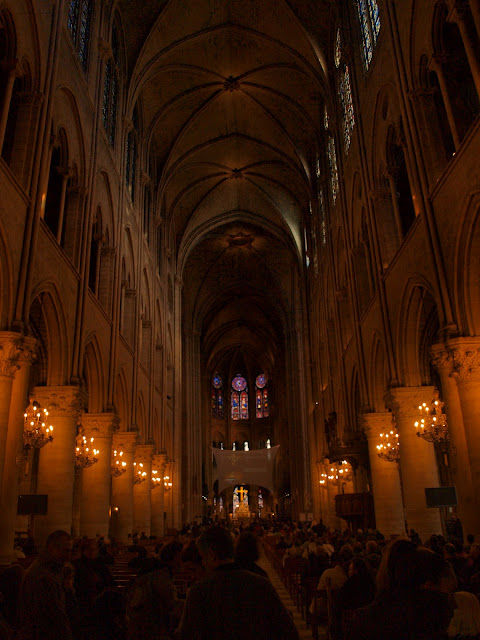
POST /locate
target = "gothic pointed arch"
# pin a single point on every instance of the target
(94, 375)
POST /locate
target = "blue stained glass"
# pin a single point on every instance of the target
(258, 404)
(266, 410)
(261, 381)
(239, 383)
(73, 18)
(365, 27)
(84, 32)
(217, 381)
(374, 18)
(219, 403)
(235, 406)
(244, 405)
(347, 106)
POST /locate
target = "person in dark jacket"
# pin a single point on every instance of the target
(231, 603)
(246, 553)
(42, 611)
(412, 601)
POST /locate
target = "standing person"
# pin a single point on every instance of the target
(43, 615)
(231, 603)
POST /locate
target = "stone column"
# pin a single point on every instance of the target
(57, 459)
(332, 490)
(466, 372)
(9, 353)
(158, 496)
(142, 509)
(170, 494)
(468, 509)
(96, 480)
(16, 353)
(122, 486)
(418, 466)
(387, 491)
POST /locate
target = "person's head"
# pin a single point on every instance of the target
(246, 547)
(89, 548)
(449, 551)
(170, 553)
(215, 546)
(371, 547)
(346, 553)
(59, 546)
(357, 566)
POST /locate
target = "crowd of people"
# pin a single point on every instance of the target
(375, 588)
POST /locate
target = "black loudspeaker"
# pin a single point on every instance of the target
(32, 505)
(441, 497)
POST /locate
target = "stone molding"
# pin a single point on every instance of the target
(160, 462)
(99, 425)
(68, 402)
(461, 356)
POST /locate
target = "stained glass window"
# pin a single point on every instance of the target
(239, 398)
(325, 117)
(131, 156)
(217, 396)
(323, 220)
(110, 89)
(369, 17)
(261, 396)
(347, 106)
(332, 161)
(338, 49)
(79, 21)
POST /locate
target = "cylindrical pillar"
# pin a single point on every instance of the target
(121, 523)
(466, 363)
(57, 459)
(387, 491)
(9, 353)
(158, 496)
(20, 353)
(468, 509)
(418, 465)
(142, 509)
(96, 480)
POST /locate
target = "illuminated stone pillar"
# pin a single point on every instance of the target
(96, 480)
(418, 465)
(158, 496)
(57, 459)
(170, 494)
(17, 353)
(333, 521)
(468, 508)
(142, 506)
(387, 491)
(121, 523)
(466, 372)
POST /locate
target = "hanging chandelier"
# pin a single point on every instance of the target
(85, 454)
(323, 480)
(155, 479)
(140, 475)
(166, 482)
(36, 433)
(118, 467)
(432, 425)
(389, 448)
(332, 476)
(345, 471)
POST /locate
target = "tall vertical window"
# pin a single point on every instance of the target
(345, 93)
(110, 89)
(369, 17)
(239, 399)
(79, 23)
(262, 408)
(332, 161)
(217, 396)
(131, 156)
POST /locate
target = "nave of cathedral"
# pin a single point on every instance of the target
(239, 249)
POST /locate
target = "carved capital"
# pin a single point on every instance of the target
(144, 453)
(404, 401)
(68, 402)
(466, 364)
(377, 423)
(15, 350)
(126, 441)
(159, 461)
(99, 425)
(442, 358)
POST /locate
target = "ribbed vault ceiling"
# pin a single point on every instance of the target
(231, 94)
